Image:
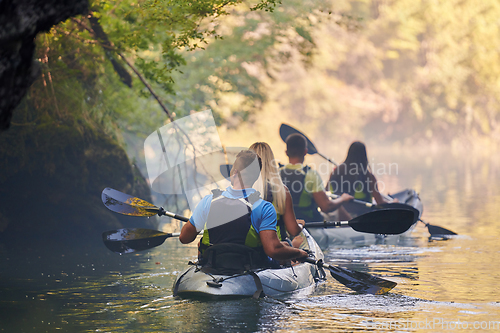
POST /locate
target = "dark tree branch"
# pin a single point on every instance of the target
(103, 38)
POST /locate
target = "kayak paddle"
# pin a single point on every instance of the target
(384, 221)
(393, 221)
(286, 130)
(132, 240)
(137, 239)
(125, 204)
(434, 230)
(363, 283)
(389, 205)
(388, 221)
(437, 231)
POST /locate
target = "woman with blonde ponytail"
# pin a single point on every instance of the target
(273, 190)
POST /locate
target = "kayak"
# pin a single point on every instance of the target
(347, 236)
(300, 278)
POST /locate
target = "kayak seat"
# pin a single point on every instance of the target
(230, 258)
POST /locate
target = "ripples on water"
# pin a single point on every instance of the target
(442, 285)
(142, 301)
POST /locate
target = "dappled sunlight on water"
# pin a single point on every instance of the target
(441, 284)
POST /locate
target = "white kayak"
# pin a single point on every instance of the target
(346, 236)
(300, 278)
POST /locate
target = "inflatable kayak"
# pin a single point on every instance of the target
(346, 236)
(299, 278)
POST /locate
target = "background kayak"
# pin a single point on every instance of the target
(346, 236)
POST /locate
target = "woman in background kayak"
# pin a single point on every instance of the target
(354, 176)
(277, 193)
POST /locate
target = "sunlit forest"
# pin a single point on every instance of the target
(401, 72)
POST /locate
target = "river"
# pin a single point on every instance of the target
(442, 285)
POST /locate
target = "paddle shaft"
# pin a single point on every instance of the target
(365, 203)
(319, 263)
(327, 224)
(328, 159)
(162, 211)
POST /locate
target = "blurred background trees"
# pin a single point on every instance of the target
(389, 71)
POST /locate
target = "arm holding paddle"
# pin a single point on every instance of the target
(188, 233)
(328, 205)
(276, 250)
(266, 228)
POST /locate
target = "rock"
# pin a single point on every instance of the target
(20, 22)
(51, 180)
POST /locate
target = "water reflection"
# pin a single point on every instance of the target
(452, 280)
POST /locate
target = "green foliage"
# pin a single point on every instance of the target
(231, 75)
(82, 60)
(398, 70)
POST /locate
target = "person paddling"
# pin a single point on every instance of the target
(278, 194)
(354, 176)
(306, 186)
(239, 217)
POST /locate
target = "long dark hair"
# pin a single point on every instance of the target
(354, 168)
(356, 155)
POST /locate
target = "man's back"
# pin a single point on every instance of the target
(302, 182)
(312, 195)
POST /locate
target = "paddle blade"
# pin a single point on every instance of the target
(361, 282)
(435, 230)
(286, 130)
(132, 240)
(384, 221)
(397, 205)
(125, 204)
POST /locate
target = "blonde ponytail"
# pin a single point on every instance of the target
(270, 178)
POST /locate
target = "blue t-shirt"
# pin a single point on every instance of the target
(263, 214)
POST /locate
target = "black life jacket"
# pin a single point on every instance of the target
(358, 186)
(230, 243)
(303, 202)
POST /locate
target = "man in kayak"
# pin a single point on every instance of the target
(306, 186)
(239, 216)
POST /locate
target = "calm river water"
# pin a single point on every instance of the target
(442, 285)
